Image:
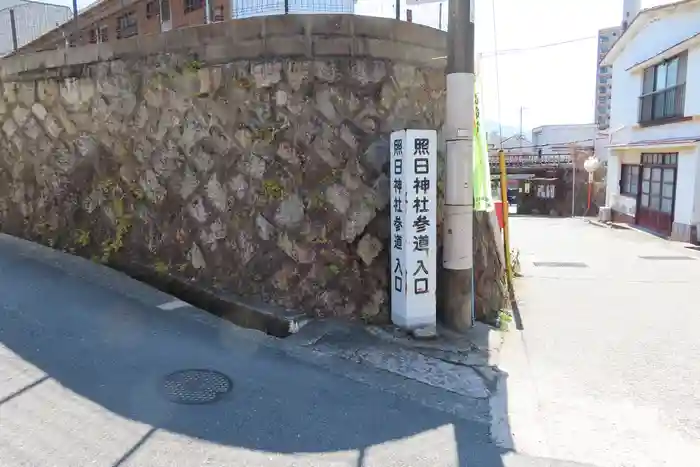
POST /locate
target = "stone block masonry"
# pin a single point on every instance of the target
(249, 157)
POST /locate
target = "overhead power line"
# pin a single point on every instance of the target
(497, 52)
(536, 47)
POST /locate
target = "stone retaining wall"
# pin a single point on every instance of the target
(249, 156)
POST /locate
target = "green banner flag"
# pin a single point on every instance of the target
(483, 198)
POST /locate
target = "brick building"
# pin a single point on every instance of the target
(110, 20)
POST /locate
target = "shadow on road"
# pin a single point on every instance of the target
(115, 351)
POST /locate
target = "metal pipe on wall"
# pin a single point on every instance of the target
(75, 23)
(13, 26)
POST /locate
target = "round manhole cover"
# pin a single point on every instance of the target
(196, 386)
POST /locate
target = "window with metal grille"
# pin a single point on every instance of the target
(98, 35)
(127, 25)
(663, 90)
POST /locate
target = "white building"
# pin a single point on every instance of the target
(555, 142)
(653, 177)
(603, 79)
(515, 145)
(248, 8)
(32, 19)
(606, 38)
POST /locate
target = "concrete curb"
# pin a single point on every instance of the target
(597, 223)
(140, 284)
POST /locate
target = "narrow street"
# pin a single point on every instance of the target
(606, 368)
(84, 352)
(86, 358)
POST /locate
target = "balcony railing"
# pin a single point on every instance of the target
(666, 104)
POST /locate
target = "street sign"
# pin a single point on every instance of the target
(413, 228)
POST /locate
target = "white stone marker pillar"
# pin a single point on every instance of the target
(413, 228)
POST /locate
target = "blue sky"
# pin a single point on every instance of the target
(555, 85)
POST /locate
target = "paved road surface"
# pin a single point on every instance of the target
(607, 369)
(83, 352)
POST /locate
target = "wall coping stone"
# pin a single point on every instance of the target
(259, 38)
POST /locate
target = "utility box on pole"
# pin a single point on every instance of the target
(458, 248)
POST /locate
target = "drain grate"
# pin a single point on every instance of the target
(668, 258)
(197, 386)
(555, 264)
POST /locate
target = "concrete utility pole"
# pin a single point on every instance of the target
(458, 248)
(520, 137)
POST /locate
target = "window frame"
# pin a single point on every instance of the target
(132, 28)
(629, 179)
(98, 34)
(659, 99)
(546, 191)
(152, 9)
(164, 11)
(192, 5)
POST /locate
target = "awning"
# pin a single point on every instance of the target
(657, 143)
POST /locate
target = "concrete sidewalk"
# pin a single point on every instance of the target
(464, 365)
(606, 368)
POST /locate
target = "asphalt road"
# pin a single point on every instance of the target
(83, 355)
(607, 368)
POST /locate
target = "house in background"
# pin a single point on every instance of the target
(110, 20)
(653, 170)
(556, 142)
(23, 21)
(513, 145)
